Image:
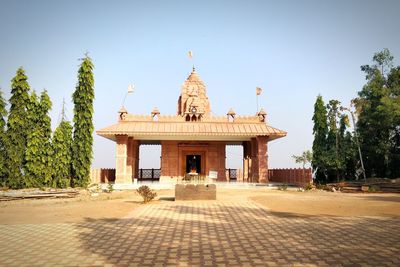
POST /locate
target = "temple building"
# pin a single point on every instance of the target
(193, 141)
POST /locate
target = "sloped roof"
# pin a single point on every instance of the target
(173, 130)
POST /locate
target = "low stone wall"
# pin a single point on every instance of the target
(299, 177)
(102, 175)
(195, 192)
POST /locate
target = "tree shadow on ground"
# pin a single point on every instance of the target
(231, 234)
(383, 198)
(167, 198)
(282, 214)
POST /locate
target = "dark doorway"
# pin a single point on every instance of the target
(193, 164)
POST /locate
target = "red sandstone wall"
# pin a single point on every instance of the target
(173, 155)
(216, 159)
(102, 175)
(300, 177)
(169, 158)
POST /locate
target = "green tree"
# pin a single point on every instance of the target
(304, 158)
(334, 161)
(17, 130)
(378, 107)
(348, 150)
(391, 105)
(319, 148)
(38, 169)
(82, 148)
(62, 155)
(3, 115)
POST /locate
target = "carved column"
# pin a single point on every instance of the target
(221, 148)
(133, 158)
(121, 166)
(262, 158)
(254, 174)
(247, 161)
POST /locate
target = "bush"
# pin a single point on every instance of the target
(323, 187)
(110, 188)
(308, 187)
(146, 193)
(282, 187)
(373, 188)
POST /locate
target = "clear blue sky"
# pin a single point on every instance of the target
(294, 50)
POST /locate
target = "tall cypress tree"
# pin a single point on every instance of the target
(3, 114)
(334, 162)
(320, 131)
(83, 98)
(17, 130)
(38, 152)
(347, 149)
(62, 155)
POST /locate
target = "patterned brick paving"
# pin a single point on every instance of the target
(205, 234)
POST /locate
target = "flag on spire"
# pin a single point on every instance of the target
(258, 90)
(190, 54)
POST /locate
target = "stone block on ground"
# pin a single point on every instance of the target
(195, 192)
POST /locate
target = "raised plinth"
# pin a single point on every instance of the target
(195, 192)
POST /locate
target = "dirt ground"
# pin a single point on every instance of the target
(119, 203)
(37, 211)
(321, 203)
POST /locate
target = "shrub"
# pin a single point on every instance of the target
(373, 188)
(308, 187)
(146, 193)
(110, 188)
(282, 187)
(323, 187)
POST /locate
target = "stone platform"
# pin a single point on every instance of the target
(195, 192)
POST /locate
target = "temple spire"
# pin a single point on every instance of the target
(193, 101)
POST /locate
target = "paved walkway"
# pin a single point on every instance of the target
(205, 234)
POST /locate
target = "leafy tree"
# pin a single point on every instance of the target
(334, 161)
(62, 155)
(319, 148)
(348, 150)
(391, 105)
(304, 158)
(83, 123)
(17, 130)
(333, 156)
(378, 106)
(38, 156)
(3, 114)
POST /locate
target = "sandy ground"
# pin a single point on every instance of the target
(107, 206)
(319, 203)
(119, 203)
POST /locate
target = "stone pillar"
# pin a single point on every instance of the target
(221, 150)
(133, 158)
(262, 158)
(123, 174)
(254, 174)
(258, 161)
(246, 161)
(170, 161)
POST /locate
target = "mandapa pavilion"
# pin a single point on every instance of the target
(192, 141)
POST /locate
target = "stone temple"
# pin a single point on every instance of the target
(193, 141)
